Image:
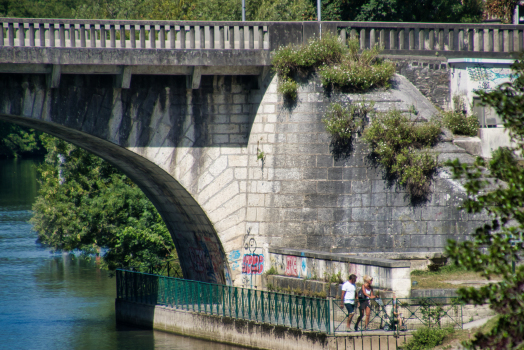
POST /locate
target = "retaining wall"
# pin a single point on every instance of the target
(246, 333)
(387, 274)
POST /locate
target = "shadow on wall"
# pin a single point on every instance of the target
(156, 112)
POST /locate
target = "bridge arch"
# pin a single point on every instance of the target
(137, 150)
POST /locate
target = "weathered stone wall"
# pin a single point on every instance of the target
(304, 198)
(195, 154)
(392, 275)
(430, 76)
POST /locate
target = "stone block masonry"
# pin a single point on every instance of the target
(391, 275)
(235, 170)
(314, 201)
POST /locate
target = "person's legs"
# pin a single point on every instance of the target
(359, 318)
(368, 312)
(351, 312)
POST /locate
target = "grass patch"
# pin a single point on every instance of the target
(338, 65)
(437, 279)
(401, 146)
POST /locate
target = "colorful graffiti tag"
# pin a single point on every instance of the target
(253, 264)
(234, 259)
(291, 266)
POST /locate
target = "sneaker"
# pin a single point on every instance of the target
(356, 329)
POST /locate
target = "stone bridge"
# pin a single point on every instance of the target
(190, 112)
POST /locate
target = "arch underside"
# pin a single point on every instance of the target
(199, 248)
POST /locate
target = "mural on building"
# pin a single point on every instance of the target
(483, 77)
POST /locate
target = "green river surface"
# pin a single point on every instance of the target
(54, 300)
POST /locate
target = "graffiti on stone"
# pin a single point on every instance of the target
(198, 259)
(304, 272)
(252, 260)
(253, 264)
(234, 259)
(291, 266)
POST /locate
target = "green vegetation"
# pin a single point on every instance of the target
(297, 291)
(85, 205)
(491, 250)
(337, 65)
(427, 338)
(444, 270)
(18, 141)
(333, 277)
(503, 9)
(272, 271)
(342, 121)
(400, 145)
(357, 71)
(460, 123)
(440, 11)
(503, 164)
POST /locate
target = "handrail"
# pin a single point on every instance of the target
(486, 40)
(215, 299)
(74, 33)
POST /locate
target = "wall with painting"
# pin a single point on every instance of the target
(468, 75)
(387, 274)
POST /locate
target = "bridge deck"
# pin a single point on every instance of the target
(59, 46)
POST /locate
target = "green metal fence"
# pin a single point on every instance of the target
(214, 299)
(414, 313)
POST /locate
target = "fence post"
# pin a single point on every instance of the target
(330, 312)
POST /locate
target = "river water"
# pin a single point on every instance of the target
(58, 301)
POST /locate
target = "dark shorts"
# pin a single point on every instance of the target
(350, 308)
(364, 304)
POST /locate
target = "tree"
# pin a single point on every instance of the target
(38, 8)
(18, 141)
(502, 9)
(85, 204)
(443, 11)
(495, 246)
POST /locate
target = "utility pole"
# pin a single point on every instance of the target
(319, 18)
(244, 10)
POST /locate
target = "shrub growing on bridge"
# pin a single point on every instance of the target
(338, 65)
(401, 146)
(460, 123)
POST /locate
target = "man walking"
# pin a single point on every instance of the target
(349, 295)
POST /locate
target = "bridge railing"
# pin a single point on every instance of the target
(440, 37)
(421, 38)
(133, 34)
(214, 299)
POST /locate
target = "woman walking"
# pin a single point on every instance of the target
(365, 295)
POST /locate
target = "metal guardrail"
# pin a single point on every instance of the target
(300, 312)
(414, 312)
(213, 299)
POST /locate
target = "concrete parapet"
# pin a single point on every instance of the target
(387, 274)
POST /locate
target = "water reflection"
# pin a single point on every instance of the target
(58, 301)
